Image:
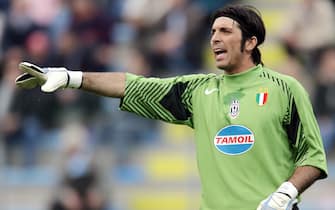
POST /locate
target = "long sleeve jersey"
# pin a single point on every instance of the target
(252, 129)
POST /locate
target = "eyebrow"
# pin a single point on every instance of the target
(222, 28)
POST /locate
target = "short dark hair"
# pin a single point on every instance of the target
(250, 23)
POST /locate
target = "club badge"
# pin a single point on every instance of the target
(234, 109)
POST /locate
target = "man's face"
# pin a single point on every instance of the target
(226, 39)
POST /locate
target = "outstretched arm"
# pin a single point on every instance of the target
(51, 79)
(109, 84)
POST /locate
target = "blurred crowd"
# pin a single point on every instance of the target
(147, 37)
(91, 35)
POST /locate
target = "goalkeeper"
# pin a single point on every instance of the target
(258, 143)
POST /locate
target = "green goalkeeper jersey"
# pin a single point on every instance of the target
(252, 129)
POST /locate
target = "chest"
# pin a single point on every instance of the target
(252, 105)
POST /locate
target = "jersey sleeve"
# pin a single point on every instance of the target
(167, 99)
(303, 130)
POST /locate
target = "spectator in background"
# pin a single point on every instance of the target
(18, 26)
(92, 26)
(28, 119)
(135, 13)
(67, 50)
(80, 189)
(60, 23)
(43, 12)
(174, 46)
(9, 121)
(309, 28)
(324, 100)
(166, 34)
(38, 47)
(136, 24)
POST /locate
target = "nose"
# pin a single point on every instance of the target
(215, 38)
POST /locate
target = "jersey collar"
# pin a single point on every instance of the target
(243, 77)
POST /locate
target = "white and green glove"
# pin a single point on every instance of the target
(50, 79)
(282, 199)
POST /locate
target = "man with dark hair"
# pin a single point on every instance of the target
(258, 143)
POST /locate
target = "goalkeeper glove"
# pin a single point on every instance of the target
(283, 199)
(50, 79)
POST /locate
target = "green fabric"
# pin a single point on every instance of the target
(213, 102)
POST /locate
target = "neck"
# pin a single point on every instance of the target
(243, 66)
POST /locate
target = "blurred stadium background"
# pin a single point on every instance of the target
(54, 143)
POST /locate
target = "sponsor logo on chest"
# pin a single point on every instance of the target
(234, 140)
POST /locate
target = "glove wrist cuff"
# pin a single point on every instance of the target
(75, 79)
(289, 189)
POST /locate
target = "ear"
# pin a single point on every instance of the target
(250, 43)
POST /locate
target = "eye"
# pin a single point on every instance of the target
(212, 32)
(226, 30)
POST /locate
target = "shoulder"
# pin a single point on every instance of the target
(197, 77)
(184, 82)
(197, 81)
(285, 81)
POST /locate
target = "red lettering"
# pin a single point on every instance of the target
(249, 139)
(218, 140)
(232, 139)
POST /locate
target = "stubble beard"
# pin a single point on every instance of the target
(228, 68)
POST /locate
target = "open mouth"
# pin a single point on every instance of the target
(219, 53)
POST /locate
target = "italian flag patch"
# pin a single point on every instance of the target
(261, 98)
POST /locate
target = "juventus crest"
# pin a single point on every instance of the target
(234, 109)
